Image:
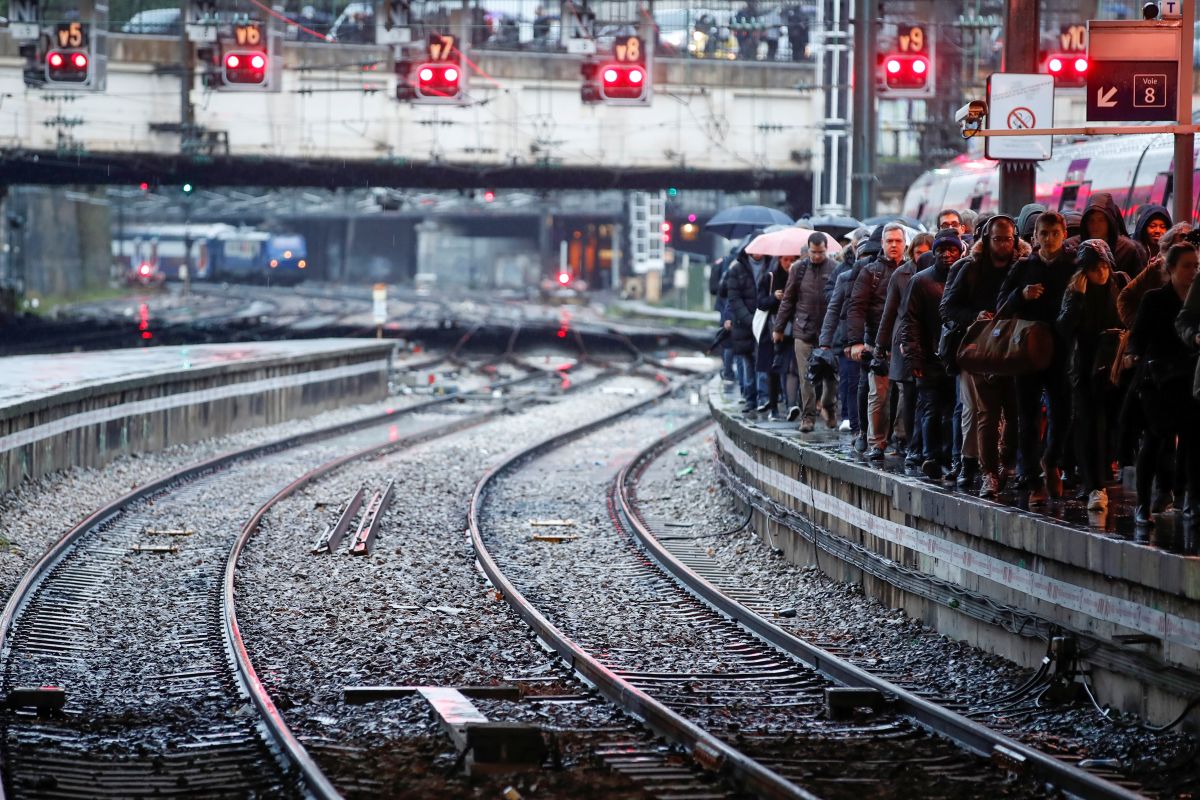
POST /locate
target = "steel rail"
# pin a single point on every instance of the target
(706, 749)
(967, 733)
(56, 553)
(295, 753)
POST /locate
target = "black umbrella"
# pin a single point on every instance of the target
(836, 225)
(741, 220)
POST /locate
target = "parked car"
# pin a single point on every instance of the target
(154, 22)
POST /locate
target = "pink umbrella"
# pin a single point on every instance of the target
(787, 242)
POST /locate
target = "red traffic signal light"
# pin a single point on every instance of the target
(245, 67)
(67, 66)
(622, 81)
(905, 71)
(1068, 69)
(439, 80)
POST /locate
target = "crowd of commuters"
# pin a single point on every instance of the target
(889, 341)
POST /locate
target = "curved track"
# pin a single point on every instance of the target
(762, 689)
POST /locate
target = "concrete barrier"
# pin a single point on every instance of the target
(997, 577)
(71, 410)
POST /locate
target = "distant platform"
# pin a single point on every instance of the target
(84, 409)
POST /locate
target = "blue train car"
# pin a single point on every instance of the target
(237, 255)
(287, 258)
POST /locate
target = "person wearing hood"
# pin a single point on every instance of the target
(716, 288)
(1163, 385)
(971, 295)
(1102, 220)
(919, 330)
(1090, 327)
(863, 316)
(1033, 290)
(741, 301)
(1026, 221)
(833, 331)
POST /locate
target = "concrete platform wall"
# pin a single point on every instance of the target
(90, 426)
(934, 552)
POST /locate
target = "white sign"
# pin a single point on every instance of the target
(1016, 102)
(379, 296)
(24, 20)
(1170, 9)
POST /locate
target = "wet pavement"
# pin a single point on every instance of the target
(1171, 532)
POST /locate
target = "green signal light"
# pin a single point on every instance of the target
(187, 188)
(672, 192)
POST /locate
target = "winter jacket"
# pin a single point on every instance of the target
(1153, 335)
(1187, 323)
(1084, 316)
(887, 339)
(805, 299)
(921, 323)
(867, 298)
(741, 302)
(973, 286)
(1128, 256)
(1145, 214)
(833, 327)
(1031, 270)
(1131, 296)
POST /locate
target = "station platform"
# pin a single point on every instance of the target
(998, 576)
(83, 409)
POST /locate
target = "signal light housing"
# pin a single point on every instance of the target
(67, 66)
(906, 75)
(623, 82)
(1068, 69)
(244, 68)
(440, 81)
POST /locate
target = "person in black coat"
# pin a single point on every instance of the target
(1089, 326)
(864, 313)
(1033, 290)
(741, 295)
(919, 330)
(716, 288)
(1163, 380)
(770, 354)
(971, 294)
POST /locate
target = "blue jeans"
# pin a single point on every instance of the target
(745, 378)
(727, 365)
(848, 390)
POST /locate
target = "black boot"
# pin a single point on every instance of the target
(968, 474)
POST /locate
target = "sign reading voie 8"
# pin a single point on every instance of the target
(1134, 71)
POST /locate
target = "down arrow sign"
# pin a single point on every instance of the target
(1104, 98)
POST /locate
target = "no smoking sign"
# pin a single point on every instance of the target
(1021, 119)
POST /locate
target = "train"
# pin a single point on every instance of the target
(1135, 169)
(150, 254)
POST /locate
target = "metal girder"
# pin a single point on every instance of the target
(51, 168)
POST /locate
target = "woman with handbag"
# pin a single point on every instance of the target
(1090, 329)
(1165, 365)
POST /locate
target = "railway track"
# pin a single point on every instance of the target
(130, 613)
(667, 638)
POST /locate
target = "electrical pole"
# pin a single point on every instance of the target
(1022, 27)
(187, 112)
(832, 52)
(862, 157)
(1185, 154)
